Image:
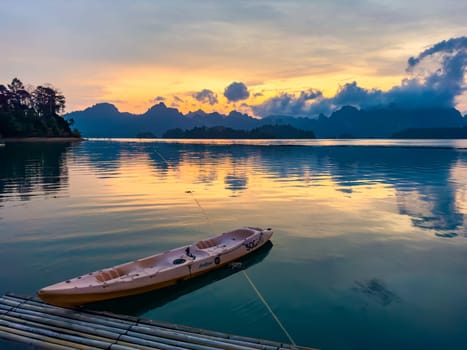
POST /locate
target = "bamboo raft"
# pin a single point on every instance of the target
(29, 320)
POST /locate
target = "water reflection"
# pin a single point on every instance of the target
(139, 304)
(421, 179)
(373, 229)
(236, 182)
(30, 169)
(104, 156)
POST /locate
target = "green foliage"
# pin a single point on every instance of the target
(48, 101)
(26, 113)
(262, 132)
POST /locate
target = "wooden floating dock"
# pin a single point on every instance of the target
(29, 320)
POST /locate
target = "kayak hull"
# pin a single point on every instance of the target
(157, 271)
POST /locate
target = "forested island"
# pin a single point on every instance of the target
(33, 112)
(221, 132)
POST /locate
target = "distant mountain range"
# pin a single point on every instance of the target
(105, 120)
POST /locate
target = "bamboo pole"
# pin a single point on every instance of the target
(58, 321)
(163, 344)
(126, 320)
(85, 332)
(77, 330)
(186, 338)
(53, 334)
(93, 319)
(90, 333)
(69, 313)
(63, 322)
(119, 346)
(35, 342)
(10, 333)
(121, 331)
(215, 334)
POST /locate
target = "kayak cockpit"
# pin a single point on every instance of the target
(157, 271)
(227, 239)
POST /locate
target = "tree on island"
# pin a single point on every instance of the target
(26, 112)
(221, 132)
(48, 101)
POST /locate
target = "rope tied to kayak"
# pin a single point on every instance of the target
(162, 157)
(253, 286)
(199, 206)
(188, 191)
(274, 316)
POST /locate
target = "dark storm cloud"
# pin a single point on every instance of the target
(437, 87)
(444, 84)
(349, 94)
(452, 45)
(288, 104)
(236, 92)
(206, 96)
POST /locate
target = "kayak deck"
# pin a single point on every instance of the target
(157, 271)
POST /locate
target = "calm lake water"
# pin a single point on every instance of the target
(369, 251)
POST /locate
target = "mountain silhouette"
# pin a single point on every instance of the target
(105, 120)
(350, 122)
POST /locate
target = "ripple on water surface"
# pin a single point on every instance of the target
(369, 243)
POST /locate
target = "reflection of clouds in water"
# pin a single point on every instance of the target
(438, 202)
(432, 208)
(236, 179)
(447, 235)
(377, 291)
(459, 177)
(429, 183)
(206, 176)
(422, 178)
(236, 182)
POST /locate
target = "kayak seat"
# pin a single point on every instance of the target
(239, 234)
(208, 243)
(107, 275)
(225, 238)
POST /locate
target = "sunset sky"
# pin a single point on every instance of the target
(283, 55)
